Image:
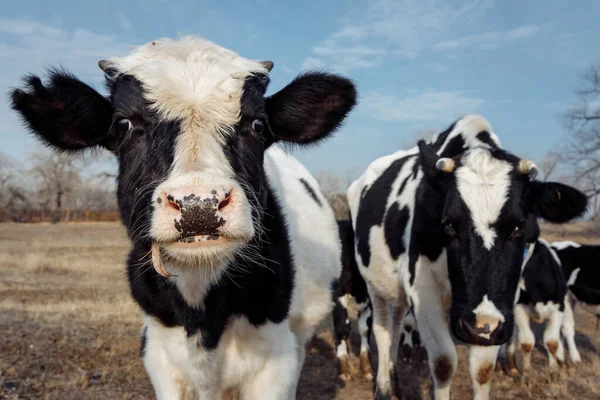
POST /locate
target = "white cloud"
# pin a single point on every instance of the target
(286, 69)
(429, 105)
(124, 21)
(489, 40)
(401, 28)
(313, 63)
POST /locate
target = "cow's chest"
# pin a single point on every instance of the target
(242, 352)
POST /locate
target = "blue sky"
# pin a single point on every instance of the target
(418, 64)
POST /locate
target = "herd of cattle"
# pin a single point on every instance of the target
(441, 247)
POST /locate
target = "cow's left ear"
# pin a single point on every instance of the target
(556, 202)
(311, 107)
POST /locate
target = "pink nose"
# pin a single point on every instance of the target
(196, 213)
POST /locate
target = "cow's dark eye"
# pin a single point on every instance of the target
(258, 126)
(124, 125)
(517, 231)
(449, 229)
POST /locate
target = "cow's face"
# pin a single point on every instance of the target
(489, 197)
(189, 124)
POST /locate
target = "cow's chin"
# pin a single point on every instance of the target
(202, 250)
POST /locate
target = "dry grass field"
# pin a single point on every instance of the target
(69, 329)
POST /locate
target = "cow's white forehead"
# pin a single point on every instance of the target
(190, 76)
(197, 83)
(483, 183)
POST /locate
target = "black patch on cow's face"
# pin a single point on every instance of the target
(311, 191)
(373, 207)
(145, 153)
(485, 137)
(396, 221)
(442, 137)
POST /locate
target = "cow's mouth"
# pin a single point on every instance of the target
(199, 240)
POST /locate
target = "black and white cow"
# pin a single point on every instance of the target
(244, 246)
(351, 286)
(580, 268)
(542, 298)
(440, 225)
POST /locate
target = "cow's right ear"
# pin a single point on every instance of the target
(66, 114)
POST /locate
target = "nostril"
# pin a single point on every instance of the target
(225, 202)
(172, 203)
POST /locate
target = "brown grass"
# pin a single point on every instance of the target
(71, 331)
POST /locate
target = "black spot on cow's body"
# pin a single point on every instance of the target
(311, 191)
(395, 222)
(586, 287)
(544, 279)
(373, 206)
(402, 186)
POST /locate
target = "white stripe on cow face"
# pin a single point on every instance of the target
(199, 84)
(487, 308)
(483, 183)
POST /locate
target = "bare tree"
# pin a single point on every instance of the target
(334, 189)
(57, 175)
(582, 121)
(549, 163)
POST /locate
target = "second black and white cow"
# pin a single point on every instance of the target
(581, 267)
(542, 299)
(244, 246)
(441, 226)
(351, 286)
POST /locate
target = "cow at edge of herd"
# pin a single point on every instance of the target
(236, 256)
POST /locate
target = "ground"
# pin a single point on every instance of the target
(69, 329)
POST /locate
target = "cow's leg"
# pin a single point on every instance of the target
(168, 379)
(511, 364)
(435, 334)
(482, 360)
(553, 343)
(341, 325)
(279, 376)
(381, 331)
(568, 329)
(364, 322)
(525, 336)
(396, 320)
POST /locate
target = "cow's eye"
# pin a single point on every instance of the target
(124, 125)
(258, 126)
(517, 231)
(449, 229)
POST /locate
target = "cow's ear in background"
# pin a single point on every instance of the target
(66, 114)
(556, 202)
